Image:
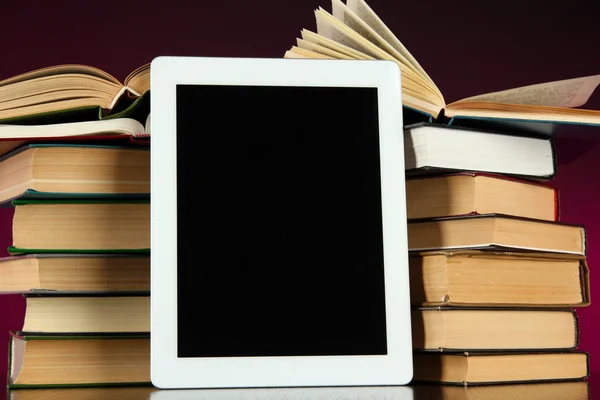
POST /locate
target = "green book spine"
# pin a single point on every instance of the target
(23, 202)
(19, 251)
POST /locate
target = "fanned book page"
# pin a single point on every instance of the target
(354, 31)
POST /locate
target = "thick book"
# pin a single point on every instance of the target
(432, 149)
(70, 89)
(126, 131)
(86, 313)
(65, 361)
(485, 278)
(354, 31)
(496, 231)
(510, 329)
(481, 368)
(80, 226)
(474, 193)
(75, 170)
(74, 272)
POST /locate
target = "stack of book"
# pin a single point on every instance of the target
(495, 277)
(75, 166)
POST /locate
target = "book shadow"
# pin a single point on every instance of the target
(573, 142)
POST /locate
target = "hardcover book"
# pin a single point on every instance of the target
(434, 149)
(451, 329)
(486, 278)
(86, 313)
(76, 361)
(126, 131)
(74, 272)
(80, 226)
(75, 170)
(480, 368)
(495, 231)
(475, 193)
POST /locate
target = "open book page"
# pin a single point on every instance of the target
(415, 103)
(366, 13)
(332, 28)
(352, 21)
(488, 109)
(46, 107)
(15, 100)
(292, 54)
(317, 48)
(565, 93)
(298, 52)
(139, 80)
(333, 45)
(71, 69)
(147, 125)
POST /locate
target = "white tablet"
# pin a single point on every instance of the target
(279, 245)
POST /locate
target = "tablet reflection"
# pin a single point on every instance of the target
(313, 393)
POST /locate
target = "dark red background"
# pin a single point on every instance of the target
(468, 47)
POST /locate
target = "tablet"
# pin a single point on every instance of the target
(279, 244)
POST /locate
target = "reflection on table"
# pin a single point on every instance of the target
(535, 391)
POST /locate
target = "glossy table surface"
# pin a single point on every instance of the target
(546, 391)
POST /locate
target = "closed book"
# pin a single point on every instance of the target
(117, 131)
(513, 329)
(475, 193)
(84, 226)
(479, 368)
(434, 149)
(75, 170)
(86, 313)
(61, 361)
(74, 272)
(484, 278)
(495, 231)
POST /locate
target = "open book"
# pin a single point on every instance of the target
(70, 87)
(354, 31)
(113, 130)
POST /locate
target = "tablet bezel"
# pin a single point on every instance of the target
(169, 371)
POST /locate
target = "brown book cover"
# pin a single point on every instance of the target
(489, 368)
(79, 361)
(459, 232)
(467, 193)
(489, 336)
(417, 283)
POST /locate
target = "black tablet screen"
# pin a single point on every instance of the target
(279, 222)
